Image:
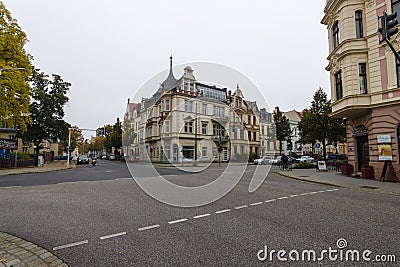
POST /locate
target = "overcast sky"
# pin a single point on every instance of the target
(109, 49)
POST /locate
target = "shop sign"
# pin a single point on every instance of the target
(8, 143)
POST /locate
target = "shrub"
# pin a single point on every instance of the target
(252, 156)
(22, 155)
(304, 165)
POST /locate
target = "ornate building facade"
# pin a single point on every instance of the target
(365, 80)
(186, 120)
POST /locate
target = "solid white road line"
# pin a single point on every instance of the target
(113, 235)
(222, 211)
(201, 216)
(255, 204)
(71, 245)
(149, 227)
(178, 221)
(282, 198)
(240, 207)
(270, 200)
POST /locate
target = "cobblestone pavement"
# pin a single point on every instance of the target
(16, 252)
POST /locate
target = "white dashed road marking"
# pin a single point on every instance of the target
(185, 219)
(222, 211)
(71, 245)
(149, 227)
(113, 235)
(201, 216)
(178, 221)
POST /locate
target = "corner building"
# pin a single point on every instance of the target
(365, 79)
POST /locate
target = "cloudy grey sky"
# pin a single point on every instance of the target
(108, 49)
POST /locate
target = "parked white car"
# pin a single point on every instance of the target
(276, 160)
(262, 160)
(307, 159)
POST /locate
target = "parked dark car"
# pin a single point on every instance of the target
(336, 157)
(83, 159)
(62, 157)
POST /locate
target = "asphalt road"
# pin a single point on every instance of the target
(98, 216)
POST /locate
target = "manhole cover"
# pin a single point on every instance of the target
(304, 176)
(369, 187)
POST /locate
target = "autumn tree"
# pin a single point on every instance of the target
(317, 125)
(15, 69)
(282, 128)
(49, 97)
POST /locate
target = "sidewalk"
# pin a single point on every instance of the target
(48, 167)
(15, 251)
(337, 179)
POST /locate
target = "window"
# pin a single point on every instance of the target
(188, 106)
(204, 128)
(359, 24)
(398, 72)
(218, 130)
(204, 152)
(188, 152)
(339, 87)
(249, 135)
(167, 105)
(396, 7)
(188, 128)
(185, 87)
(254, 120)
(255, 136)
(166, 127)
(191, 88)
(335, 34)
(363, 78)
(248, 119)
(219, 112)
(204, 109)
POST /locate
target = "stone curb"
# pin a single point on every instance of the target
(337, 185)
(16, 252)
(34, 170)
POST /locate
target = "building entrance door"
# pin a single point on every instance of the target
(362, 151)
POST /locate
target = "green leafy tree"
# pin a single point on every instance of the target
(15, 69)
(128, 134)
(282, 128)
(307, 132)
(317, 125)
(47, 109)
